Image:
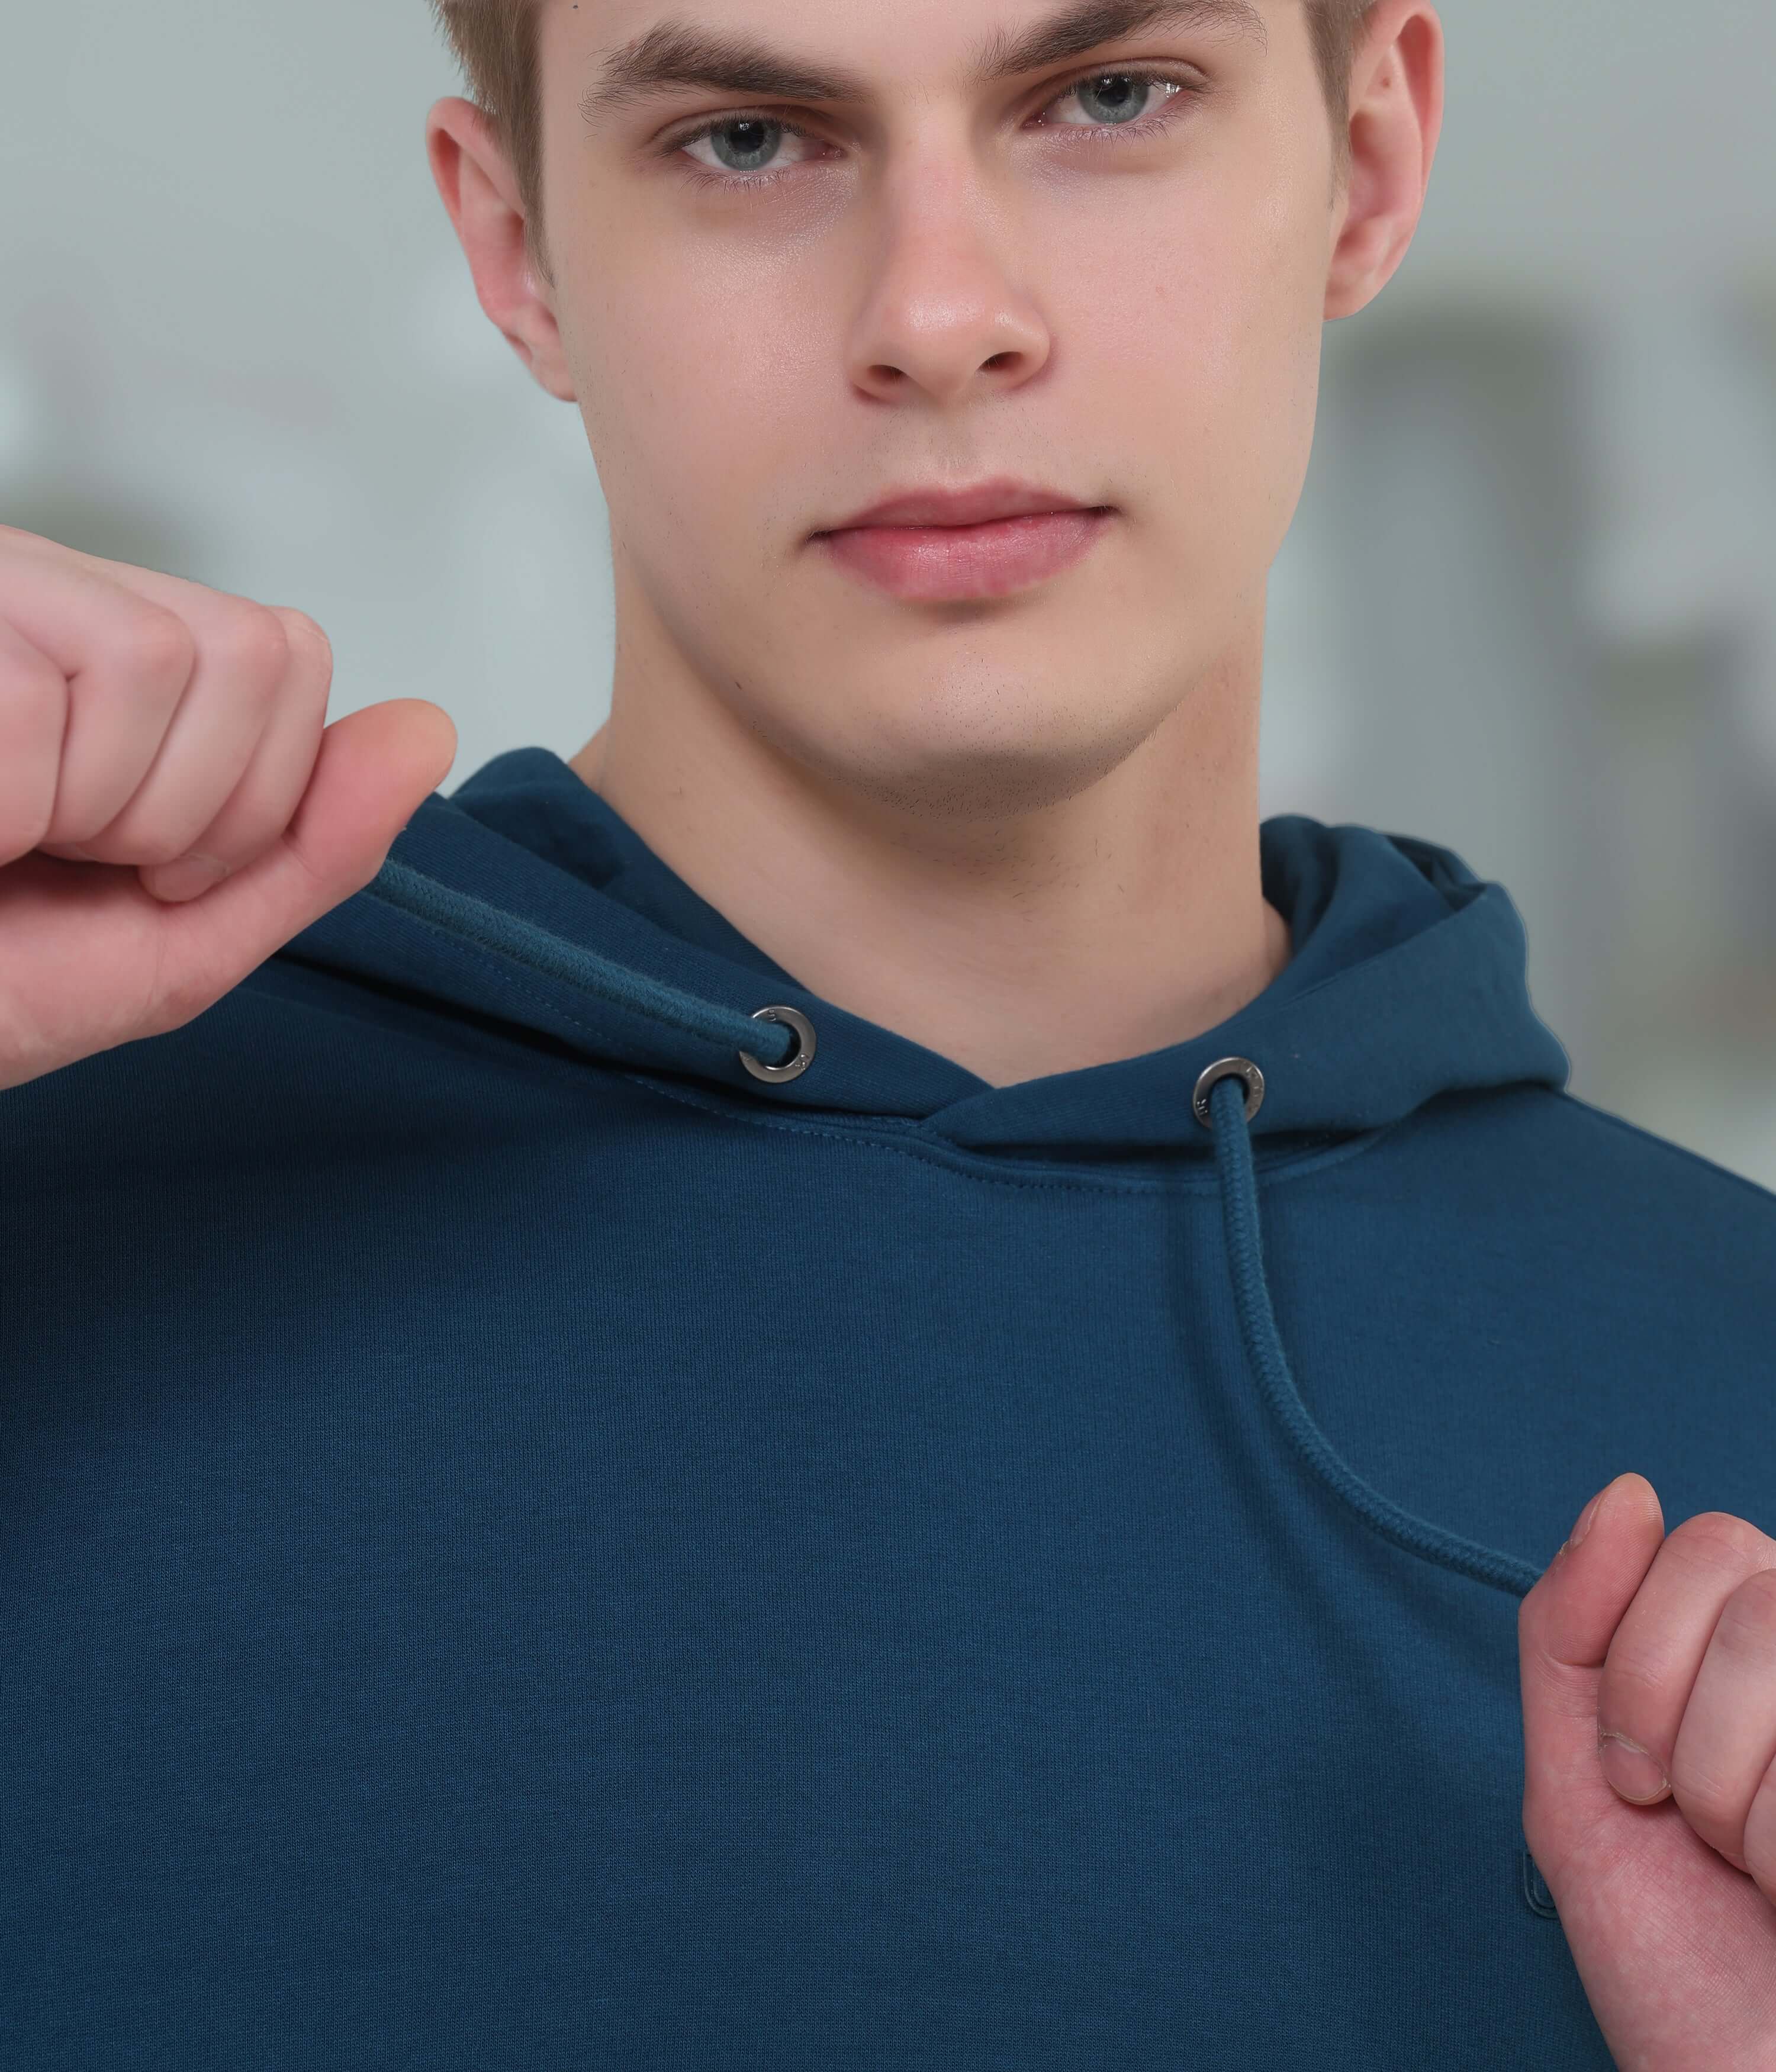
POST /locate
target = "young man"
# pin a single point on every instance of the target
(857, 1381)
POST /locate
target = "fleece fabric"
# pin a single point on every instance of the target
(525, 1544)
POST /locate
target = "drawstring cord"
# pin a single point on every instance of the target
(1226, 1097)
(459, 914)
(1227, 1105)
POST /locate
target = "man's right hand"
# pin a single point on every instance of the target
(144, 721)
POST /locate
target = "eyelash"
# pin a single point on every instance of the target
(1147, 126)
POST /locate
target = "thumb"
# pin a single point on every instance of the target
(1564, 1627)
(374, 769)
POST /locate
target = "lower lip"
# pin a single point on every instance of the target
(946, 564)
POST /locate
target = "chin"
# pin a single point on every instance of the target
(988, 761)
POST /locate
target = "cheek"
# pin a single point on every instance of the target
(697, 385)
(1210, 371)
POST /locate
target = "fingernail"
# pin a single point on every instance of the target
(1633, 1774)
(1587, 1516)
(187, 878)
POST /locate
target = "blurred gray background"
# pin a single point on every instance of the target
(1528, 608)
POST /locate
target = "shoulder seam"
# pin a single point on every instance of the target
(1624, 1127)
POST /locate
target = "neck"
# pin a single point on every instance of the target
(1120, 919)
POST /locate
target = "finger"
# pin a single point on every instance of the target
(179, 594)
(34, 695)
(264, 801)
(1659, 1647)
(374, 770)
(1758, 1848)
(1565, 1626)
(242, 656)
(126, 659)
(1727, 1739)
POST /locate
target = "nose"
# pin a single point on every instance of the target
(945, 312)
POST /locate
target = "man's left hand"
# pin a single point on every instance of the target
(1648, 1668)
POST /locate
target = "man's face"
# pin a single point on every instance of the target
(1104, 274)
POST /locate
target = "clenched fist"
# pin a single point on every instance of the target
(1648, 1665)
(174, 807)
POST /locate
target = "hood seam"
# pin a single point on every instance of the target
(952, 1159)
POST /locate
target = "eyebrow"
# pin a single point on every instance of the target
(686, 54)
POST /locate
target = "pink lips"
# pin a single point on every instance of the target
(943, 546)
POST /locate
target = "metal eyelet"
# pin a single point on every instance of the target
(799, 1059)
(1228, 1068)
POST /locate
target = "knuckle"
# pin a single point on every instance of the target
(183, 998)
(34, 690)
(21, 833)
(1748, 1620)
(16, 539)
(1757, 1845)
(1632, 1673)
(1705, 1798)
(1759, 1589)
(317, 877)
(252, 646)
(1718, 1542)
(307, 638)
(163, 648)
(187, 985)
(34, 693)
(146, 851)
(19, 838)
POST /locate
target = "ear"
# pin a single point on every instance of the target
(480, 191)
(1396, 112)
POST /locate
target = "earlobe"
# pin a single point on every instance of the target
(479, 192)
(1396, 112)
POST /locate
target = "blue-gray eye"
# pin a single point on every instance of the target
(758, 139)
(1122, 96)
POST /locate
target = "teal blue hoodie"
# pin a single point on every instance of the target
(524, 1544)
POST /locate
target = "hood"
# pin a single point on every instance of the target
(524, 898)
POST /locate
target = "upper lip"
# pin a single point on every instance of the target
(975, 504)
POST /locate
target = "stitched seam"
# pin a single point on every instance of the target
(953, 1161)
(1627, 1129)
(957, 1161)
